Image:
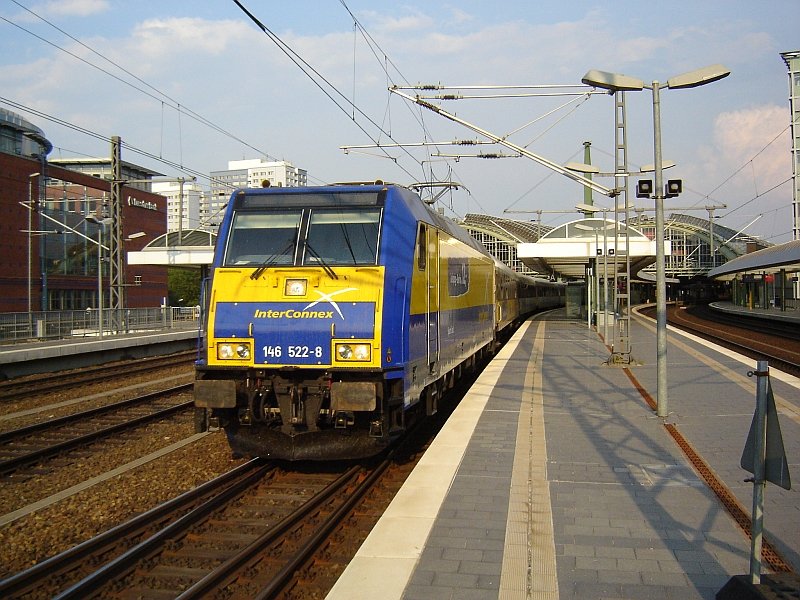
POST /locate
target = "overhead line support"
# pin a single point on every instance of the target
(611, 193)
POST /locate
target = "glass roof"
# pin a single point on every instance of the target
(589, 228)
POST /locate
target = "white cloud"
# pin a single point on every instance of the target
(73, 8)
(156, 37)
(385, 24)
(747, 165)
(460, 16)
(230, 72)
(749, 134)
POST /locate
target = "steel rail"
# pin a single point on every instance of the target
(14, 389)
(14, 434)
(31, 578)
(323, 532)
(15, 463)
(218, 576)
(124, 562)
(708, 332)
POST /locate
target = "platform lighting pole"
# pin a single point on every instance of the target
(662, 395)
(614, 83)
(30, 251)
(792, 60)
(101, 225)
(593, 209)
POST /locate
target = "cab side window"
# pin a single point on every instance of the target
(422, 247)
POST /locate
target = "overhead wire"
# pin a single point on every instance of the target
(166, 100)
(751, 163)
(305, 67)
(372, 44)
(756, 155)
(156, 94)
(125, 145)
(417, 112)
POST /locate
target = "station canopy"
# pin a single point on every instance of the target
(768, 260)
(192, 248)
(568, 250)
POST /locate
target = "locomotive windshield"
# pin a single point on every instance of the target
(309, 237)
(259, 237)
(342, 237)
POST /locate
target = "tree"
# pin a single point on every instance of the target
(184, 286)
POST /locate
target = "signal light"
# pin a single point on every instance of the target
(644, 188)
(673, 188)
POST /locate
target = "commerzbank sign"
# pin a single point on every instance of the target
(146, 204)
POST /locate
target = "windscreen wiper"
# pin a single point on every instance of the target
(270, 261)
(346, 236)
(328, 269)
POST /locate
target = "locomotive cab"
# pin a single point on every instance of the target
(292, 341)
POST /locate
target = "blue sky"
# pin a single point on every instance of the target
(730, 139)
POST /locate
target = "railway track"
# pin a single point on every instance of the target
(256, 532)
(305, 558)
(779, 344)
(30, 445)
(62, 571)
(48, 383)
(759, 339)
(247, 531)
(780, 329)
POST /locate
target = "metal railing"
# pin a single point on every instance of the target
(48, 325)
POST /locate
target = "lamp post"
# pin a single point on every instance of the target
(102, 224)
(30, 252)
(617, 83)
(591, 208)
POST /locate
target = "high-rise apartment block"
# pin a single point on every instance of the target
(256, 172)
(184, 200)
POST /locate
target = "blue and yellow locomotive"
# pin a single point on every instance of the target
(335, 316)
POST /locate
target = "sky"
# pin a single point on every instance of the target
(191, 85)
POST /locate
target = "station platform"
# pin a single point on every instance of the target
(43, 356)
(772, 313)
(555, 479)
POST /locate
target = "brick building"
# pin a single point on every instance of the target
(49, 256)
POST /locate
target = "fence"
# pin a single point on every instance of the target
(44, 325)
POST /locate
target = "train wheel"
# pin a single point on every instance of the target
(200, 420)
(431, 395)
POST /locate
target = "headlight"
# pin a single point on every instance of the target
(233, 351)
(354, 352)
(295, 287)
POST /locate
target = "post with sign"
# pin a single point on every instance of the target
(764, 456)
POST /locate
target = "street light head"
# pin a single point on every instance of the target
(650, 168)
(613, 82)
(582, 168)
(698, 77)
